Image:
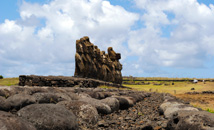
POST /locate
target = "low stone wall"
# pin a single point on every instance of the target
(63, 81)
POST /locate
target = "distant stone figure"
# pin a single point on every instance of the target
(90, 62)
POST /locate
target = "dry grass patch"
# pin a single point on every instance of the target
(177, 88)
(111, 87)
(9, 81)
(203, 101)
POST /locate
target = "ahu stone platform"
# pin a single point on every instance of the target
(63, 81)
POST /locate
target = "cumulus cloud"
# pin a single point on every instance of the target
(190, 39)
(42, 41)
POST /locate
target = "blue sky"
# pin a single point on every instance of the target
(164, 38)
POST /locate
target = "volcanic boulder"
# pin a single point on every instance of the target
(49, 117)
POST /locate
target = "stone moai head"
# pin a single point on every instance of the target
(118, 56)
(110, 49)
(82, 41)
(108, 60)
(94, 51)
(86, 38)
(91, 49)
(112, 54)
(103, 57)
(88, 46)
(79, 47)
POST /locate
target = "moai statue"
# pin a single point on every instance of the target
(79, 64)
(112, 54)
(110, 73)
(103, 72)
(117, 67)
(93, 63)
(87, 58)
(118, 77)
(98, 63)
(92, 68)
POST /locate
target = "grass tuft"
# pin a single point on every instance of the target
(210, 110)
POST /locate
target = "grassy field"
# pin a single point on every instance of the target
(204, 101)
(129, 78)
(177, 88)
(9, 81)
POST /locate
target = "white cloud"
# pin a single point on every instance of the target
(190, 39)
(175, 34)
(43, 40)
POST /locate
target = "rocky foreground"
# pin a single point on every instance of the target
(54, 108)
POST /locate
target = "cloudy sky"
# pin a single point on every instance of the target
(157, 38)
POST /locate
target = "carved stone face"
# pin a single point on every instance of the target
(82, 40)
(112, 54)
(110, 49)
(98, 56)
(104, 58)
(79, 47)
(90, 49)
(98, 52)
(86, 38)
(94, 54)
(109, 62)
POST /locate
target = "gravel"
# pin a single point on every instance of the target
(143, 115)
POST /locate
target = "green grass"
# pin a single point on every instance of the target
(9, 81)
(210, 110)
(177, 88)
(180, 88)
(106, 87)
(129, 78)
(203, 108)
(110, 87)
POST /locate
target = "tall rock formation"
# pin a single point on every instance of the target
(90, 62)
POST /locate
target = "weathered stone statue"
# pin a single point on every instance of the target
(90, 62)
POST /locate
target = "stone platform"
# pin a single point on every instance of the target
(63, 81)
